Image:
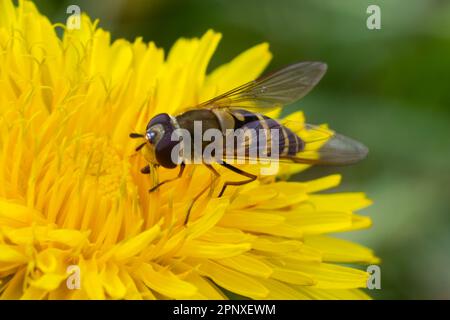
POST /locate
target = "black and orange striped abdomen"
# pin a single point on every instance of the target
(289, 144)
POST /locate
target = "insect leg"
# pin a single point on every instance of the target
(211, 168)
(251, 177)
(145, 170)
(216, 176)
(180, 174)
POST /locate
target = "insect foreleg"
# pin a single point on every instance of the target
(251, 177)
(180, 174)
(145, 170)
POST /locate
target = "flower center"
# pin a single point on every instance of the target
(102, 167)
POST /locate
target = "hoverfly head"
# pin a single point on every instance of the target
(159, 136)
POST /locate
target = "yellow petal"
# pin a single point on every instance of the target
(339, 250)
(91, 281)
(33, 293)
(282, 291)
(251, 221)
(276, 245)
(206, 288)
(248, 264)
(135, 245)
(226, 235)
(131, 291)
(340, 201)
(320, 221)
(14, 287)
(16, 215)
(292, 276)
(213, 250)
(11, 254)
(233, 281)
(214, 212)
(244, 68)
(254, 196)
(323, 183)
(288, 194)
(50, 260)
(330, 276)
(48, 281)
(112, 283)
(7, 13)
(165, 282)
(333, 294)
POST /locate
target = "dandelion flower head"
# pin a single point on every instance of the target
(71, 191)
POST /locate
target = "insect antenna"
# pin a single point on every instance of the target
(135, 135)
(139, 147)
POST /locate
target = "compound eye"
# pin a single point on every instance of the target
(154, 134)
(151, 136)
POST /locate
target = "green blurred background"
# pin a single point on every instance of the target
(388, 88)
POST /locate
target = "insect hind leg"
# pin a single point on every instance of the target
(251, 177)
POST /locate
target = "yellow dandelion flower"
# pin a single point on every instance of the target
(71, 193)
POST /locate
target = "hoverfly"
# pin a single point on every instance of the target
(243, 108)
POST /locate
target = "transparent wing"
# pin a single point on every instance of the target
(326, 147)
(321, 146)
(273, 90)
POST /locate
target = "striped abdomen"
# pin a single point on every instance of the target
(289, 144)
